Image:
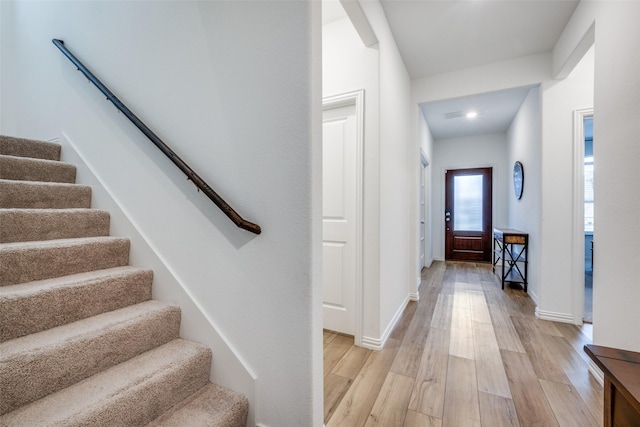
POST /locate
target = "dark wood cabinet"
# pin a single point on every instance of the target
(511, 247)
(621, 370)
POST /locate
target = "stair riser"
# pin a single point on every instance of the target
(21, 147)
(21, 266)
(23, 313)
(40, 224)
(20, 168)
(32, 375)
(26, 195)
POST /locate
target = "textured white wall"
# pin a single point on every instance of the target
(617, 153)
(469, 152)
(616, 150)
(230, 86)
(397, 182)
(559, 101)
(348, 65)
(525, 145)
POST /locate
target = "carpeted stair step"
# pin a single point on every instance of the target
(28, 169)
(43, 195)
(212, 405)
(24, 262)
(132, 393)
(21, 147)
(36, 306)
(26, 225)
(39, 364)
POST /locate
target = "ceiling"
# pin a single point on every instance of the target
(438, 36)
(495, 112)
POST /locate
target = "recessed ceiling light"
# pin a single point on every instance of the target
(472, 115)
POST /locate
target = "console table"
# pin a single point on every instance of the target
(511, 246)
(621, 384)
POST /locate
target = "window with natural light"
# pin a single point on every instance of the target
(467, 201)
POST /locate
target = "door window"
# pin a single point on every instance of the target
(467, 200)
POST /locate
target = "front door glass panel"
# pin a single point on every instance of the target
(467, 201)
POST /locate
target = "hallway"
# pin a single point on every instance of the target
(467, 354)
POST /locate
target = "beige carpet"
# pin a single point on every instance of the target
(81, 340)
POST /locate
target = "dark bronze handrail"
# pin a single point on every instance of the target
(194, 177)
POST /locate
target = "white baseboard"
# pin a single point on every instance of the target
(596, 372)
(553, 316)
(378, 343)
(414, 296)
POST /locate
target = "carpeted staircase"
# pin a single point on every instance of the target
(81, 340)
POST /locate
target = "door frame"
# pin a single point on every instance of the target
(578, 213)
(487, 225)
(355, 98)
(424, 164)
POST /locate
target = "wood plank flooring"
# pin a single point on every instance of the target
(467, 354)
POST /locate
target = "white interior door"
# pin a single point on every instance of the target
(339, 218)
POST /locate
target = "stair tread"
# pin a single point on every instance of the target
(38, 194)
(36, 170)
(62, 335)
(45, 244)
(37, 260)
(35, 211)
(29, 288)
(33, 148)
(212, 405)
(32, 224)
(75, 404)
(45, 184)
(39, 305)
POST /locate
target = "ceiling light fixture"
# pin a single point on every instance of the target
(472, 115)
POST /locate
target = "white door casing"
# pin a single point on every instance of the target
(578, 213)
(423, 216)
(342, 213)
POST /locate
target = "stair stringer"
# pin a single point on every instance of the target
(228, 369)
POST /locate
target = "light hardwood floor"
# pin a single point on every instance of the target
(467, 354)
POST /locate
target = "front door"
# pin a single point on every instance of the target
(339, 218)
(468, 215)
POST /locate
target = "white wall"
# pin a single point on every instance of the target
(525, 145)
(559, 101)
(396, 184)
(616, 128)
(468, 152)
(348, 65)
(230, 86)
(524, 71)
(616, 292)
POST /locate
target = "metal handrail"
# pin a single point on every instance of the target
(191, 175)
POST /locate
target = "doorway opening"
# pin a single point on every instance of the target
(468, 214)
(425, 254)
(588, 218)
(583, 224)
